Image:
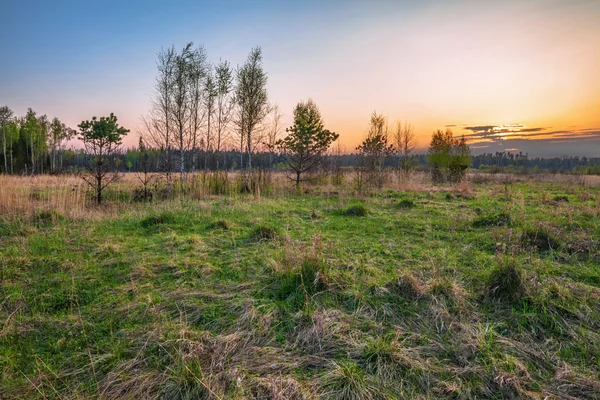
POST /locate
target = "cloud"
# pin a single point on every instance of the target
(537, 142)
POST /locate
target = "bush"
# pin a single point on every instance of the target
(505, 284)
(498, 219)
(357, 210)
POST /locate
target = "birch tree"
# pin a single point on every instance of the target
(251, 98)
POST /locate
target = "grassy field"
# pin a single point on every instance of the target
(479, 291)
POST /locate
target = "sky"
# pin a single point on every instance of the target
(513, 75)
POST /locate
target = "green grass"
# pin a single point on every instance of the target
(492, 295)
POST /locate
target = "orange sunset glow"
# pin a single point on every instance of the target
(530, 65)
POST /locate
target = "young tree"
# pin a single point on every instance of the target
(376, 148)
(307, 140)
(449, 156)
(59, 135)
(101, 139)
(209, 104)
(197, 74)
(404, 138)
(144, 172)
(251, 97)
(224, 102)
(34, 130)
(273, 132)
(180, 104)
(6, 116)
(158, 131)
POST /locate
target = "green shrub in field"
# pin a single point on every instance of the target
(265, 232)
(157, 220)
(357, 210)
(505, 284)
(499, 219)
(405, 203)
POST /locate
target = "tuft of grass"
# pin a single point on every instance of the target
(407, 287)
(46, 217)
(220, 224)
(347, 381)
(296, 286)
(265, 232)
(561, 198)
(505, 284)
(156, 220)
(539, 238)
(357, 210)
(405, 203)
(498, 219)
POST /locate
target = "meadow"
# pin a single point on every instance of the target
(486, 289)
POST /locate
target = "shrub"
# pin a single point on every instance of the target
(505, 284)
(498, 219)
(264, 232)
(357, 210)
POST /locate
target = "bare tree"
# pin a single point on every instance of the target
(224, 102)
(209, 104)
(251, 97)
(405, 142)
(158, 125)
(197, 74)
(180, 104)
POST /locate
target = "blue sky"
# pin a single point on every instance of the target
(435, 63)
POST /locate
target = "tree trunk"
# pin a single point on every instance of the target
(99, 190)
(297, 179)
(4, 152)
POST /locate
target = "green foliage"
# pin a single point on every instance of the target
(307, 140)
(101, 139)
(448, 156)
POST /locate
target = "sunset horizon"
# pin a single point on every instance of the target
(518, 76)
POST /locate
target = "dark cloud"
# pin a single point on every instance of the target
(481, 128)
(558, 143)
